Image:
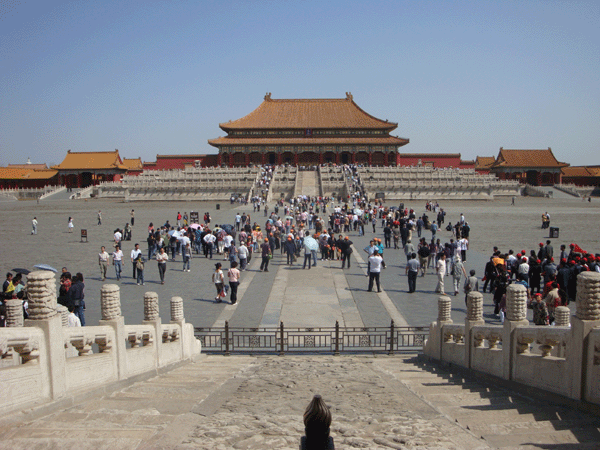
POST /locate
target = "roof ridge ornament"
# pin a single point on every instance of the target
(349, 96)
(268, 96)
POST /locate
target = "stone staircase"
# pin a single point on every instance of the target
(307, 183)
(256, 402)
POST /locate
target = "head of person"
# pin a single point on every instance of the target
(102, 248)
(118, 247)
(9, 276)
(137, 246)
(472, 272)
(234, 264)
(79, 276)
(218, 266)
(413, 256)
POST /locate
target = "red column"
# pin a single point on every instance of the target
(79, 180)
(219, 160)
(353, 157)
(539, 178)
(337, 157)
(247, 159)
(385, 158)
(296, 158)
(279, 159)
(370, 158)
(320, 158)
(263, 158)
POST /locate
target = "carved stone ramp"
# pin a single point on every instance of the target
(500, 417)
(307, 183)
(257, 402)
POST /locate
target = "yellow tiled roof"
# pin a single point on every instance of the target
(581, 171)
(308, 114)
(9, 173)
(527, 158)
(133, 163)
(91, 161)
(484, 162)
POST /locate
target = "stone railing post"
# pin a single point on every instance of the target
(587, 317)
(110, 308)
(64, 314)
(562, 316)
(152, 318)
(14, 312)
(474, 318)
(41, 291)
(433, 346)
(516, 316)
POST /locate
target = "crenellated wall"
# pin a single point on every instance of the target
(44, 360)
(564, 359)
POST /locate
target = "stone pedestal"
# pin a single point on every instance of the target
(516, 316)
(474, 318)
(433, 346)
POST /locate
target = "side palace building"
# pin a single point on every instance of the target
(307, 132)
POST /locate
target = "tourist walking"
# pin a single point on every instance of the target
(243, 256)
(99, 217)
(134, 255)
(234, 281)
(118, 261)
(139, 265)
(34, 224)
(346, 247)
(103, 262)
(440, 270)
(219, 281)
(132, 215)
(376, 263)
(162, 259)
(471, 284)
(412, 270)
(70, 225)
(458, 270)
(265, 250)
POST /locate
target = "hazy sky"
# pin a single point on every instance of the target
(158, 77)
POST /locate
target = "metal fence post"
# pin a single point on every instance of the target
(391, 351)
(281, 352)
(227, 338)
(336, 352)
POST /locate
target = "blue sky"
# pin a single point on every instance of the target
(158, 77)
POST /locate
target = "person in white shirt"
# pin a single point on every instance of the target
(34, 224)
(376, 263)
(134, 254)
(103, 262)
(463, 244)
(162, 259)
(209, 239)
(118, 261)
(118, 236)
(440, 269)
(72, 319)
(243, 256)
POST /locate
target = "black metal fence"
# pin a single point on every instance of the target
(334, 340)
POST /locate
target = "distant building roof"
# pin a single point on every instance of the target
(484, 162)
(581, 171)
(91, 161)
(311, 113)
(527, 159)
(182, 156)
(10, 173)
(133, 163)
(28, 166)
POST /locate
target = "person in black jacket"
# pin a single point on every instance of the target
(345, 246)
(76, 296)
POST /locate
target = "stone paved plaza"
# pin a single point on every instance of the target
(297, 297)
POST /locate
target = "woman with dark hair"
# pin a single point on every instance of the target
(501, 283)
(219, 280)
(234, 281)
(76, 296)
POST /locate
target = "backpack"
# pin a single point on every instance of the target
(424, 251)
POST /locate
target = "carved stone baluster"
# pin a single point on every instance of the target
(135, 339)
(150, 306)
(562, 316)
(83, 344)
(28, 351)
(14, 312)
(110, 301)
(104, 343)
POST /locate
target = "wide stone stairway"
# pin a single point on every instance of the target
(256, 402)
(307, 183)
